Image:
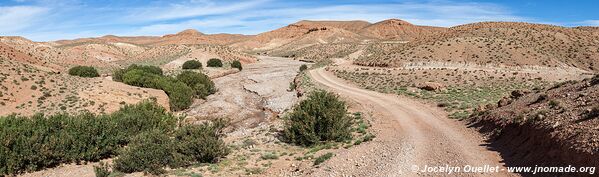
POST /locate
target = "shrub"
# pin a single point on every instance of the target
(84, 71)
(202, 143)
(236, 64)
(152, 151)
(200, 83)
(214, 62)
(149, 152)
(103, 170)
(323, 158)
(269, 156)
(303, 68)
(321, 117)
(37, 142)
(117, 75)
(595, 80)
(180, 95)
(192, 64)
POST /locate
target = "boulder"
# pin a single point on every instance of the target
(431, 86)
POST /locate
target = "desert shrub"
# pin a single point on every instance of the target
(202, 143)
(200, 83)
(152, 151)
(192, 64)
(595, 80)
(149, 152)
(303, 68)
(84, 71)
(133, 119)
(214, 62)
(180, 95)
(593, 113)
(323, 158)
(103, 170)
(321, 117)
(37, 142)
(236, 64)
(117, 75)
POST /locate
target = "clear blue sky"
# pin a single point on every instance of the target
(44, 20)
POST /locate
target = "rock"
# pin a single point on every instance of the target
(504, 101)
(519, 93)
(431, 86)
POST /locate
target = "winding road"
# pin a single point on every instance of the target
(411, 136)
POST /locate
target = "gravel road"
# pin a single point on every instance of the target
(410, 136)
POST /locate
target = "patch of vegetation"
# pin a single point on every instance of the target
(180, 95)
(236, 64)
(200, 83)
(595, 80)
(34, 143)
(149, 152)
(269, 156)
(322, 63)
(180, 90)
(117, 75)
(84, 71)
(192, 64)
(303, 68)
(214, 62)
(323, 158)
(321, 117)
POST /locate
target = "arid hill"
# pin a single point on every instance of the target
(109, 52)
(302, 34)
(306, 39)
(497, 43)
(395, 29)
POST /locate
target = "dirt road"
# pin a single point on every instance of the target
(410, 136)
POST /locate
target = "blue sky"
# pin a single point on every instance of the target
(43, 20)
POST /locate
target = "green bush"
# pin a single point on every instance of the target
(149, 152)
(214, 62)
(200, 83)
(180, 95)
(321, 117)
(303, 68)
(202, 143)
(84, 71)
(192, 64)
(117, 75)
(34, 143)
(103, 170)
(152, 151)
(236, 64)
(323, 158)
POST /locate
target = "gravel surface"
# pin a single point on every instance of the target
(408, 133)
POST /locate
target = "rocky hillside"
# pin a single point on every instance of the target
(554, 126)
(499, 43)
(395, 29)
(301, 38)
(111, 52)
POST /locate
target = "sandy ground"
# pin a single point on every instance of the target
(409, 135)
